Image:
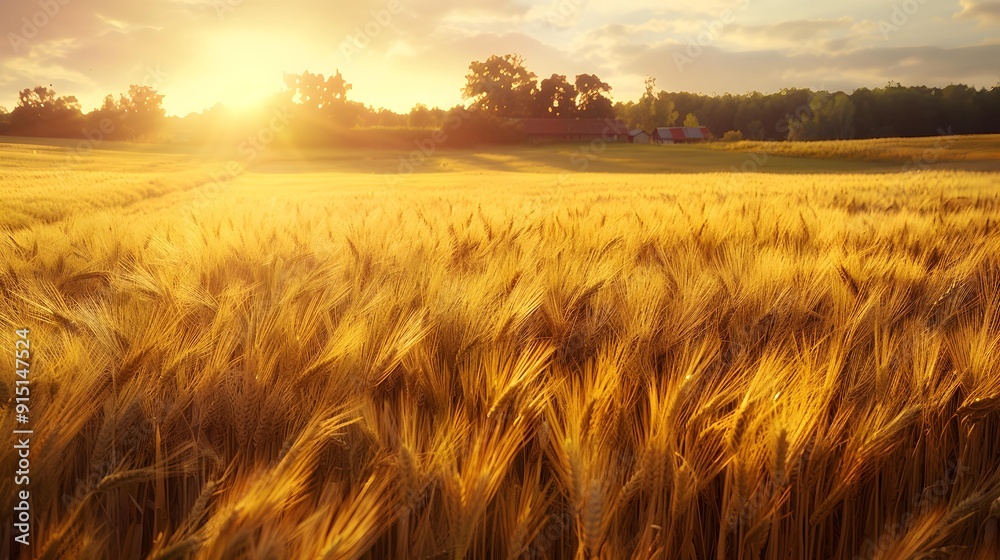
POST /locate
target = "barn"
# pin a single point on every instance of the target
(638, 136)
(540, 131)
(680, 135)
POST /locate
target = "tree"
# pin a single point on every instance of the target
(664, 112)
(420, 117)
(322, 100)
(501, 86)
(646, 107)
(315, 92)
(796, 113)
(592, 100)
(556, 97)
(108, 118)
(755, 130)
(43, 102)
(654, 109)
(830, 117)
(141, 111)
(691, 120)
(40, 112)
(387, 118)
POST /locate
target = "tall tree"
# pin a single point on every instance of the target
(556, 97)
(592, 98)
(639, 114)
(322, 98)
(141, 111)
(654, 109)
(664, 110)
(502, 86)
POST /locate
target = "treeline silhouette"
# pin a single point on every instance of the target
(314, 109)
(40, 112)
(802, 114)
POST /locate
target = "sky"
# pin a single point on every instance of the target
(397, 53)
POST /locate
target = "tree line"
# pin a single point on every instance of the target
(40, 112)
(501, 89)
(803, 114)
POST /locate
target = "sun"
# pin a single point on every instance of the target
(241, 68)
(238, 69)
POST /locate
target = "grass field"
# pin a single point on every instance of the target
(503, 356)
(918, 152)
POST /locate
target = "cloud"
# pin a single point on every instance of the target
(207, 50)
(696, 8)
(984, 11)
(816, 35)
(101, 46)
(717, 70)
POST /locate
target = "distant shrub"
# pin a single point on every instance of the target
(732, 136)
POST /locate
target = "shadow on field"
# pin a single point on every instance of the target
(582, 158)
(563, 158)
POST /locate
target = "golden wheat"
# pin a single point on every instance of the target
(327, 365)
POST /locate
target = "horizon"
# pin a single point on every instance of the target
(237, 108)
(399, 53)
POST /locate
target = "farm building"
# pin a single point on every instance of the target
(638, 136)
(574, 130)
(680, 134)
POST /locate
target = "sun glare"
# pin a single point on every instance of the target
(240, 70)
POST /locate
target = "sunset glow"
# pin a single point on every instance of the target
(400, 53)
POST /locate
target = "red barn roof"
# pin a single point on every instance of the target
(682, 133)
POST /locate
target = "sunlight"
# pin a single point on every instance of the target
(240, 70)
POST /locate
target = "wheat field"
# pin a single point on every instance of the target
(504, 365)
(919, 153)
